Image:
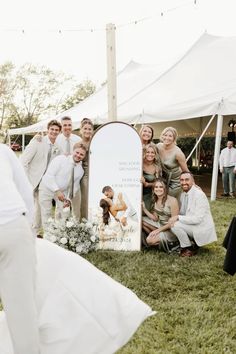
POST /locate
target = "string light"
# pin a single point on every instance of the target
(135, 22)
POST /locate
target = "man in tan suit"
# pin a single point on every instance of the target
(194, 226)
(35, 160)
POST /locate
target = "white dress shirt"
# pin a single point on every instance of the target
(228, 157)
(58, 174)
(61, 141)
(15, 190)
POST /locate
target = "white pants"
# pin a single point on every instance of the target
(76, 206)
(45, 201)
(17, 284)
(184, 233)
(37, 223)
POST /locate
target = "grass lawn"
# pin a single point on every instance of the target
(194, 298)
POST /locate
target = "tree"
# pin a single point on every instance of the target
(81, 91)
(28, 93)
(7, 89)
(36, 94)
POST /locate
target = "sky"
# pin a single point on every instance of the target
(70, 36)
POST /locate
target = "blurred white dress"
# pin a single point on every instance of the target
(81, 309)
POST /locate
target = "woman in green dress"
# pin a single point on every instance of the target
(173, 160)
(86, 132)
(151, 171)
(146, 134)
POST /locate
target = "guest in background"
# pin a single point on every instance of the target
(17, 255)
(61, 182)
(173, 160)
(146, 134)
(194, 226)
(86, 132)
(35, 160)
(156, 223)
(67, 139)
(151, 171)
(228, 169)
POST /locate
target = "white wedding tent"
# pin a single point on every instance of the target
(186, 95)
(200, 84)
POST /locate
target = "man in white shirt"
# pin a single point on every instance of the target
(228, 169)
(17, 254)
(61, 182)
(67, 139)
(35, 160)
(194, 225)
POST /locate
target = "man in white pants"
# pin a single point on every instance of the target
(36, 159)
(194, 226)
(17, 254)
(58, 181)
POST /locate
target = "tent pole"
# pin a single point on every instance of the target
(200, 138)
(111, 71)
(23, 142)
(197, 154)
(216, 156)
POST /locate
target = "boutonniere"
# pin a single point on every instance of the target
(55, 150)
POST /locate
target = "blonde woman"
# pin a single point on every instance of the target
(173, 160)
(146, 134)
(151, 171)
(156, 223)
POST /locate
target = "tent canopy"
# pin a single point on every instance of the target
(200, 84)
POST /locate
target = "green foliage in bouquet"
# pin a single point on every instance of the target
(79, 237)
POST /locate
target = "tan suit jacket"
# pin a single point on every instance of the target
(198, 215)
(35, 157)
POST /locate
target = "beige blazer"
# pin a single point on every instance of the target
(34, 159)
(198, 215)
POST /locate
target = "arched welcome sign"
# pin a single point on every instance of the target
(115, 190)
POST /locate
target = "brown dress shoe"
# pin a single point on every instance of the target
(186, 253)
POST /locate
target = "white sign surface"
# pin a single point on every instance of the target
(115, 161)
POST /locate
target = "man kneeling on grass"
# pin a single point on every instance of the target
(194, 225)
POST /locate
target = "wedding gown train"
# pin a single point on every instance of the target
(81, 309)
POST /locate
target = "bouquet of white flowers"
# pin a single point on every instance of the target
(80, 237)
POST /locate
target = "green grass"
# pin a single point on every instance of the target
(194, 298)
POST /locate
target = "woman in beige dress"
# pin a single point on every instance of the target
(173, 160)
(156, 223)
(86, 132)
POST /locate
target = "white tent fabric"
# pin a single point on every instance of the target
(133, 78)
(200, 84)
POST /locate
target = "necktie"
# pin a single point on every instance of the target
(71, 183)
(184, 205)
(67, 146)
(49, 154)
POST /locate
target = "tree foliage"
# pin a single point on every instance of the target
(36, 90)
(81, 91)
(32, 92)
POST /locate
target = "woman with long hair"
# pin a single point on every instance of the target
(151, 171)
(146, 134)
(86, 132)
(156, 223)
(173, 160)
